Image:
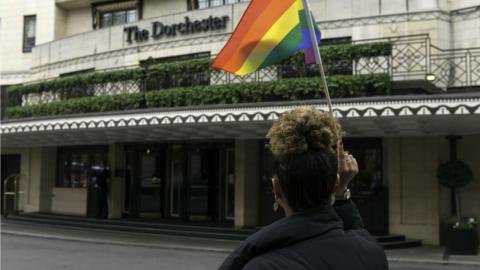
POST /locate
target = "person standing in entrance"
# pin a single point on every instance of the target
(102, 186)
(322, 228)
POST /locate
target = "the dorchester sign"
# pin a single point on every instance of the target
(187, 27)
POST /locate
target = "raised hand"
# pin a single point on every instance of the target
(347, 167)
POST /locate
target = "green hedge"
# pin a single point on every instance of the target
(341, 86)
(184, 73)
(345, 52)
(81, 81)
(179, 74)
(288, 89)
(164, 70)
(80, 105)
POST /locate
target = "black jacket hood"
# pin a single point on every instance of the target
(285, 232)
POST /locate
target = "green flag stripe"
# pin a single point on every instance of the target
(285, 48)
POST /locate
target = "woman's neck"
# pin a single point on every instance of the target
(288, 210)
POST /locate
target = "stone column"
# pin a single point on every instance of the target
(40, 180)
(116, 161)
(247, 161)
(410, 169)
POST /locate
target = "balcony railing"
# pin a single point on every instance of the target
(415, 58)
(402, 58)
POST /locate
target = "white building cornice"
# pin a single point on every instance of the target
(360, 117)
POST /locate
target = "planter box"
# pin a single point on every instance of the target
(462, 242)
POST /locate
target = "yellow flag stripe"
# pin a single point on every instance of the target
(270, 40)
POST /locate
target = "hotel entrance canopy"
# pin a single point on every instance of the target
(425, 115)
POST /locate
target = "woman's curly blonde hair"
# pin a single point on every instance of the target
(303, 129)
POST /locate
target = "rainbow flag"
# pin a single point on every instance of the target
(268, 32)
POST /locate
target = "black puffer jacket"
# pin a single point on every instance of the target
(330, 238)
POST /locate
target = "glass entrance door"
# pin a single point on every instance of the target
(151, 177)
(144, 182)
(203, 185)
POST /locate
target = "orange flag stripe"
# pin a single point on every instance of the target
(257, 20)
(253, 11)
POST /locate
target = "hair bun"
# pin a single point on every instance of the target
(303, 129)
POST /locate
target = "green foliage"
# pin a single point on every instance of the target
(185, 83)
(454, 174)
(80, 105)
(340, 86)
(179, 74)
(332, 54)
(288, 89)
(464, 224)
(186, 73)
(81, 81)
(164, 70)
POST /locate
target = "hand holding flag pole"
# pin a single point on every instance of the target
(316, 51)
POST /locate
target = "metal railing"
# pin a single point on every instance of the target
(415, 58)
(455, 68)
(409, 59)
(412, 58)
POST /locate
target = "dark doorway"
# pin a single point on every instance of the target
(180, 182)
(145, 182)
(202, 184)
(10, 166)
(369, 191)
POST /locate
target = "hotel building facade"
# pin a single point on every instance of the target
(89, 85)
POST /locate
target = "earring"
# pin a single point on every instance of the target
(275, 206)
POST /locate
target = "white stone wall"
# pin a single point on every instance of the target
(61, 16)
(418, 204)
(83, 48)
(107, 48)
(466, 31)
(458, 4)
(156, 8)
(78, 21)
(15, 64)
(411, 164)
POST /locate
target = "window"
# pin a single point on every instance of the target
(29, 25)
(116, 13)
(200, 4)
(118, 17)
(79, 167)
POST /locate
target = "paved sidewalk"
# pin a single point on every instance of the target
(117, 238)
(424, 254)
(430, 254)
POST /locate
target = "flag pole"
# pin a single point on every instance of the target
(316, 51)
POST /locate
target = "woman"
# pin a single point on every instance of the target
(322, 228)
